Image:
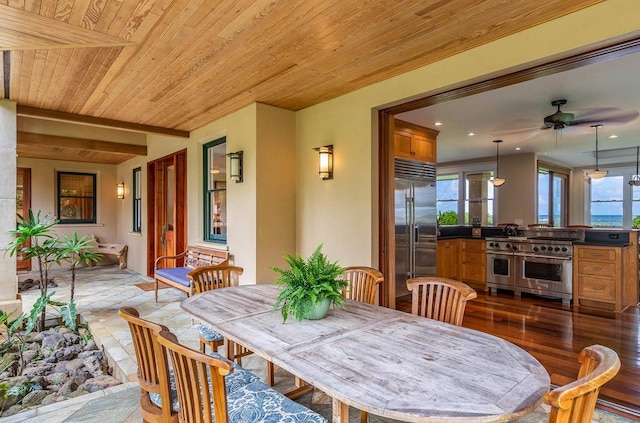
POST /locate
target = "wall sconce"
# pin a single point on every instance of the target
(235, 166)
(120, 190)
(325, 161)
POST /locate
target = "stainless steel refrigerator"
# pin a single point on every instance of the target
(415, 221)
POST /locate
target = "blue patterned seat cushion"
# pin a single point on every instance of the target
(175, 274)
(257, 403)
(209, 334)
(235, 380)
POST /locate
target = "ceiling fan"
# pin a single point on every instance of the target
(561, 120)
(608, 115)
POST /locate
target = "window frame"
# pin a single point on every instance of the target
(94, 202)
(627, 202)
(462, 172)
(208, 233)
(561, 173)
(136, 203)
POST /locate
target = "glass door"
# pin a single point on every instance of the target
(23, 204)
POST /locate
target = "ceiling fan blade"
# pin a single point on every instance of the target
(606, 118)
(517, 126)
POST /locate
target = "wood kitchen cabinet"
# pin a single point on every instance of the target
(605, 277)
(473, 262)
(447, 258)
(415, 142)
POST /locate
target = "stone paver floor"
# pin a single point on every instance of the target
(100, 292)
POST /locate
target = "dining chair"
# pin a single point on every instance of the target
(208, 278)
(200, 385)
(153, 368)
(155, 377)
(363, 283)
(440, 298)
(576, 401)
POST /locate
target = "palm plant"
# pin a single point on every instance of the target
(307, 283)
(35, 239)
(76, 251)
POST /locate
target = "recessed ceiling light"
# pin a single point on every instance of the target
(613, 136)
(215, 171)
(470, 134)
(517, 148)
(438, 124)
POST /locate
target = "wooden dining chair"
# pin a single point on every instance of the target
(208, 278)
(153, 368)
(363, 283)
(200, 385)
(576, 401)
(440, 298)
(363, 287)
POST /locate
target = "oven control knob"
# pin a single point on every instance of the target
(536, 248)
(543, 248)
(557, 248)
(515, 248)
(507, 246)
(564, 249)
(491, 244)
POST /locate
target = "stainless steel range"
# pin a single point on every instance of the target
(536, 265)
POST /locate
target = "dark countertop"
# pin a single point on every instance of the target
(603, 243)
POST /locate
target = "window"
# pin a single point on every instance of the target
(607, 202)
(447, 193)
(552, 196)
(459, 203)
(137, 200)
(215, 191)
(76, 197)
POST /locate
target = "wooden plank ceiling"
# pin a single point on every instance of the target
(182, 63)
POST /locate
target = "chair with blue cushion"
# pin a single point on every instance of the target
(156, 380)
(203, 397)
(208, 278)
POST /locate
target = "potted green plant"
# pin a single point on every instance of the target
(309, 286)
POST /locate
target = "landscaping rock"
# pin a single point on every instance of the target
(14, 409)
(34, 398)
(101, 382)
(58, 360)
(51, 342)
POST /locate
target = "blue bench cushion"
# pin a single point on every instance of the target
(235, 380)
(209, 334)
(257, 403)
(175, 274)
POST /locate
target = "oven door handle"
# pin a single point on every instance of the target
(524, 255)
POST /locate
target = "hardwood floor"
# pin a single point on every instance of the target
(555, 335)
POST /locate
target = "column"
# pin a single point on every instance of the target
(9, 299)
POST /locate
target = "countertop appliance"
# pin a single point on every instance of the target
(537, 265)
(415, 221)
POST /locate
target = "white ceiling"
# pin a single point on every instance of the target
(515, 114)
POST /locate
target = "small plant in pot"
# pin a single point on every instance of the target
(309, 286)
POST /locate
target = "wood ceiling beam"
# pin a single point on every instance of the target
(40, 140)
(32, 112)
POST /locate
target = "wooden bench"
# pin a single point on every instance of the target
(119, 251)
(194, 257)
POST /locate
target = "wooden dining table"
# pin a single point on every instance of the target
(386, 362)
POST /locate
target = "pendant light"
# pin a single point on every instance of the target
(635, 179)
(497, 181)
(597, 173)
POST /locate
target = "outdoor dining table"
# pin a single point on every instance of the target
(386, 362)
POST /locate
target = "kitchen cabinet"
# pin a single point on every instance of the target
(605, 277)
(447, 258)
(415, 142)
(473, 263)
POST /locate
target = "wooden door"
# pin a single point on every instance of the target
(23, 204)
(166, 205)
